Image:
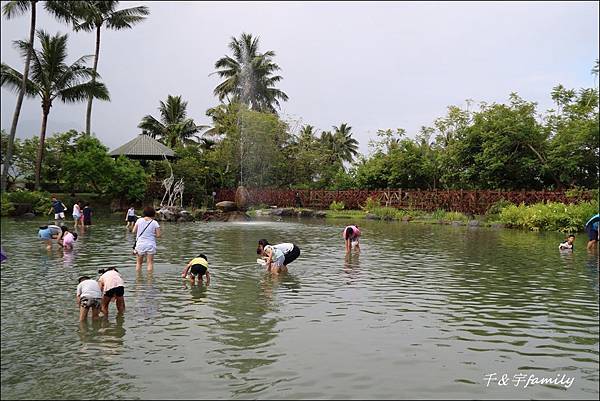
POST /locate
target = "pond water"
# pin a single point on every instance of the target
(424, 311)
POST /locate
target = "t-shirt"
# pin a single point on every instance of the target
(565, 245)
(89, 289)
(285, 247)
(76, 210)
(68, 239)
(57, 206)
(131, 212)
(87, 212)
(277, 253)
(45, 233)
(355, 233)
(199, 261)
(146, 231)
(111, 279)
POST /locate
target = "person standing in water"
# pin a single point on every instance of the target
(351, 235)
(87, 215)
(591, 228)
(130, 217)
(112, 286)
(59, 209)
(76, 213)
(147, 230)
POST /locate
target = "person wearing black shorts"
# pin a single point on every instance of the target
(113, 286)
(290, 251)
(197, 267)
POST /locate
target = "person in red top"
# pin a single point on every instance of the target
(351, 234)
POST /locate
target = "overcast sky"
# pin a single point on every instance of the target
(372, 65)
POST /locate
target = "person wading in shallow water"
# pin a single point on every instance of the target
(147, 230)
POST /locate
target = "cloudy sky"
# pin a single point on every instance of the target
(372, 65)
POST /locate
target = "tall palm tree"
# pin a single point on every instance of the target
(92, 16)
(10, 10)
(174, 127)
(343, 147)
(51, 78)
(249, 76)
(306, 138)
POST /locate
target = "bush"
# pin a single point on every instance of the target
(386, 213)
(7, 206)
(336, 206)
(370, 205)
(455, 216)
(552, 216)
(497, 207)
(39, 200)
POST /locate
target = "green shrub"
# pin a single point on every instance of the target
(386, 213)
(7, 206)
(336, 206)
(39, 200)
(551, 216)
(497, 207)
(370, 205)
(439, 214)
(455, 216)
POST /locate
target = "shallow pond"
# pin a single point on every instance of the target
(425, 311)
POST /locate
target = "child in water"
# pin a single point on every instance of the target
(351, 235)
(48, 233)
(275, 259)
(568, 244)
(89, 296)
(197, 268)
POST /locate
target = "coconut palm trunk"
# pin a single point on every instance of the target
(17, 113)
(40, 155)
(88, 117)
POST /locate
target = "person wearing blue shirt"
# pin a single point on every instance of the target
(59, 209)
(591, 227)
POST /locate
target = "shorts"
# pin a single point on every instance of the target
(198, 270)
(90, 302)
(592, 234)
(76, 217)
(145, 249)
(115, 292)
(291, 255)
(58, 216)
(131, 219)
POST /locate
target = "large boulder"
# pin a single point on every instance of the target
(242, 198)
(226, 206)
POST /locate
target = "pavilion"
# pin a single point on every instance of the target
(143, 147)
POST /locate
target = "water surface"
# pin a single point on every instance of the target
(424, 311)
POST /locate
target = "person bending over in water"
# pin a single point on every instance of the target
(351, 235)
(66, 238)
(290, 251)
(197, 268)
(48, 233)
(591, 228)
(568, 244)
(275, 259)
(89, 295)
(112, 285)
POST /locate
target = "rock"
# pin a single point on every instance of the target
(498, 225)
(181, 219)
(371, 216)
(457, 223)
(236, 216)
(242, 198)
(320, 214)
(226, 206)
(288, 211)
(474, 223)
(28, 215)
(306, 213)
(406, 219)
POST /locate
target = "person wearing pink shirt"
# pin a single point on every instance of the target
(351, 235)
(112, 285)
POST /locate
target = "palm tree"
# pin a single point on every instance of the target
(51, 78)
(249, 76)
(10, 10)
(93, 15)
(174, 127)
(340, 142)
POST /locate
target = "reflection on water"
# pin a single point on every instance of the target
(423, 311)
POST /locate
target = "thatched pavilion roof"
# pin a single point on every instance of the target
(143, 147)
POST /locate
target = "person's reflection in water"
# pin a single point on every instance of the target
(567, 257)
(198, 291)
(592, 270)
(146, 304)
(351, 266)
(89, 332)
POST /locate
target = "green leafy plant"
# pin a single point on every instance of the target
(7, 206)
(336, 206)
